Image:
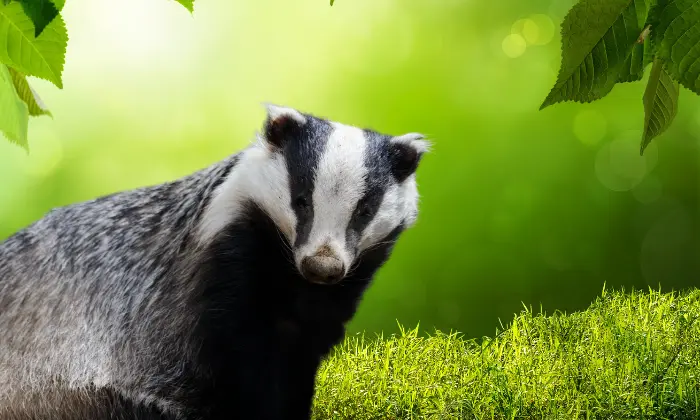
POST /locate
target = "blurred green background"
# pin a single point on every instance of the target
(518, 205)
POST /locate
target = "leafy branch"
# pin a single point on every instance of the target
(605, 42)
(33, 42)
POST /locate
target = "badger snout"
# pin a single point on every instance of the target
(324, 267)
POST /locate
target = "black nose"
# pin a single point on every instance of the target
(322, 269)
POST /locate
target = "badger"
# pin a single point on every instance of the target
(85, 403)
(217, 295)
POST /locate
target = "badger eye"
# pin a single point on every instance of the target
(301, 202)
(364, 210)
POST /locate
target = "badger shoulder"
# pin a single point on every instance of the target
(136, 221)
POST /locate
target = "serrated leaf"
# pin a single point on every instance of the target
(597, 38)
(189, 4)
(660, 103)
(633, 68)
(41, 12)
(41, 56)
(25, 92)
(14, 116)
(59, 4)
(678, 37)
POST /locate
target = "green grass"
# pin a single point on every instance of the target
(628, 356)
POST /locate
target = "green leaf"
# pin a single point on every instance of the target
(189, 4)
(41, 12)
(633, 68)
(660, 103)
(59, 4)
(332, 1)
(14, 116)
(41, 56)
(678, 37)
(28, 95)
(597, 38)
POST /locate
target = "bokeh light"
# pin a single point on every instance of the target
(514, 45)
(545, 30)
(536, 29)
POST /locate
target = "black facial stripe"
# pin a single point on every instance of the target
(303, 151)
(361, 217)
(377, 180)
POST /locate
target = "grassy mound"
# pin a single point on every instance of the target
(628, 356)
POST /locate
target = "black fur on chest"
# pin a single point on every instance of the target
(263, 328)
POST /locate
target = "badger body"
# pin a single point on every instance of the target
(216, 295)
(85, 403)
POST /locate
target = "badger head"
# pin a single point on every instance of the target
(334, 191)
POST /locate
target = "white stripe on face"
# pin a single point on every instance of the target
(339, 183)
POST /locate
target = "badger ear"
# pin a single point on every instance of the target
(281, 123)
(406, 152)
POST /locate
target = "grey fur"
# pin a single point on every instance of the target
(123, 252)
(86, 403)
